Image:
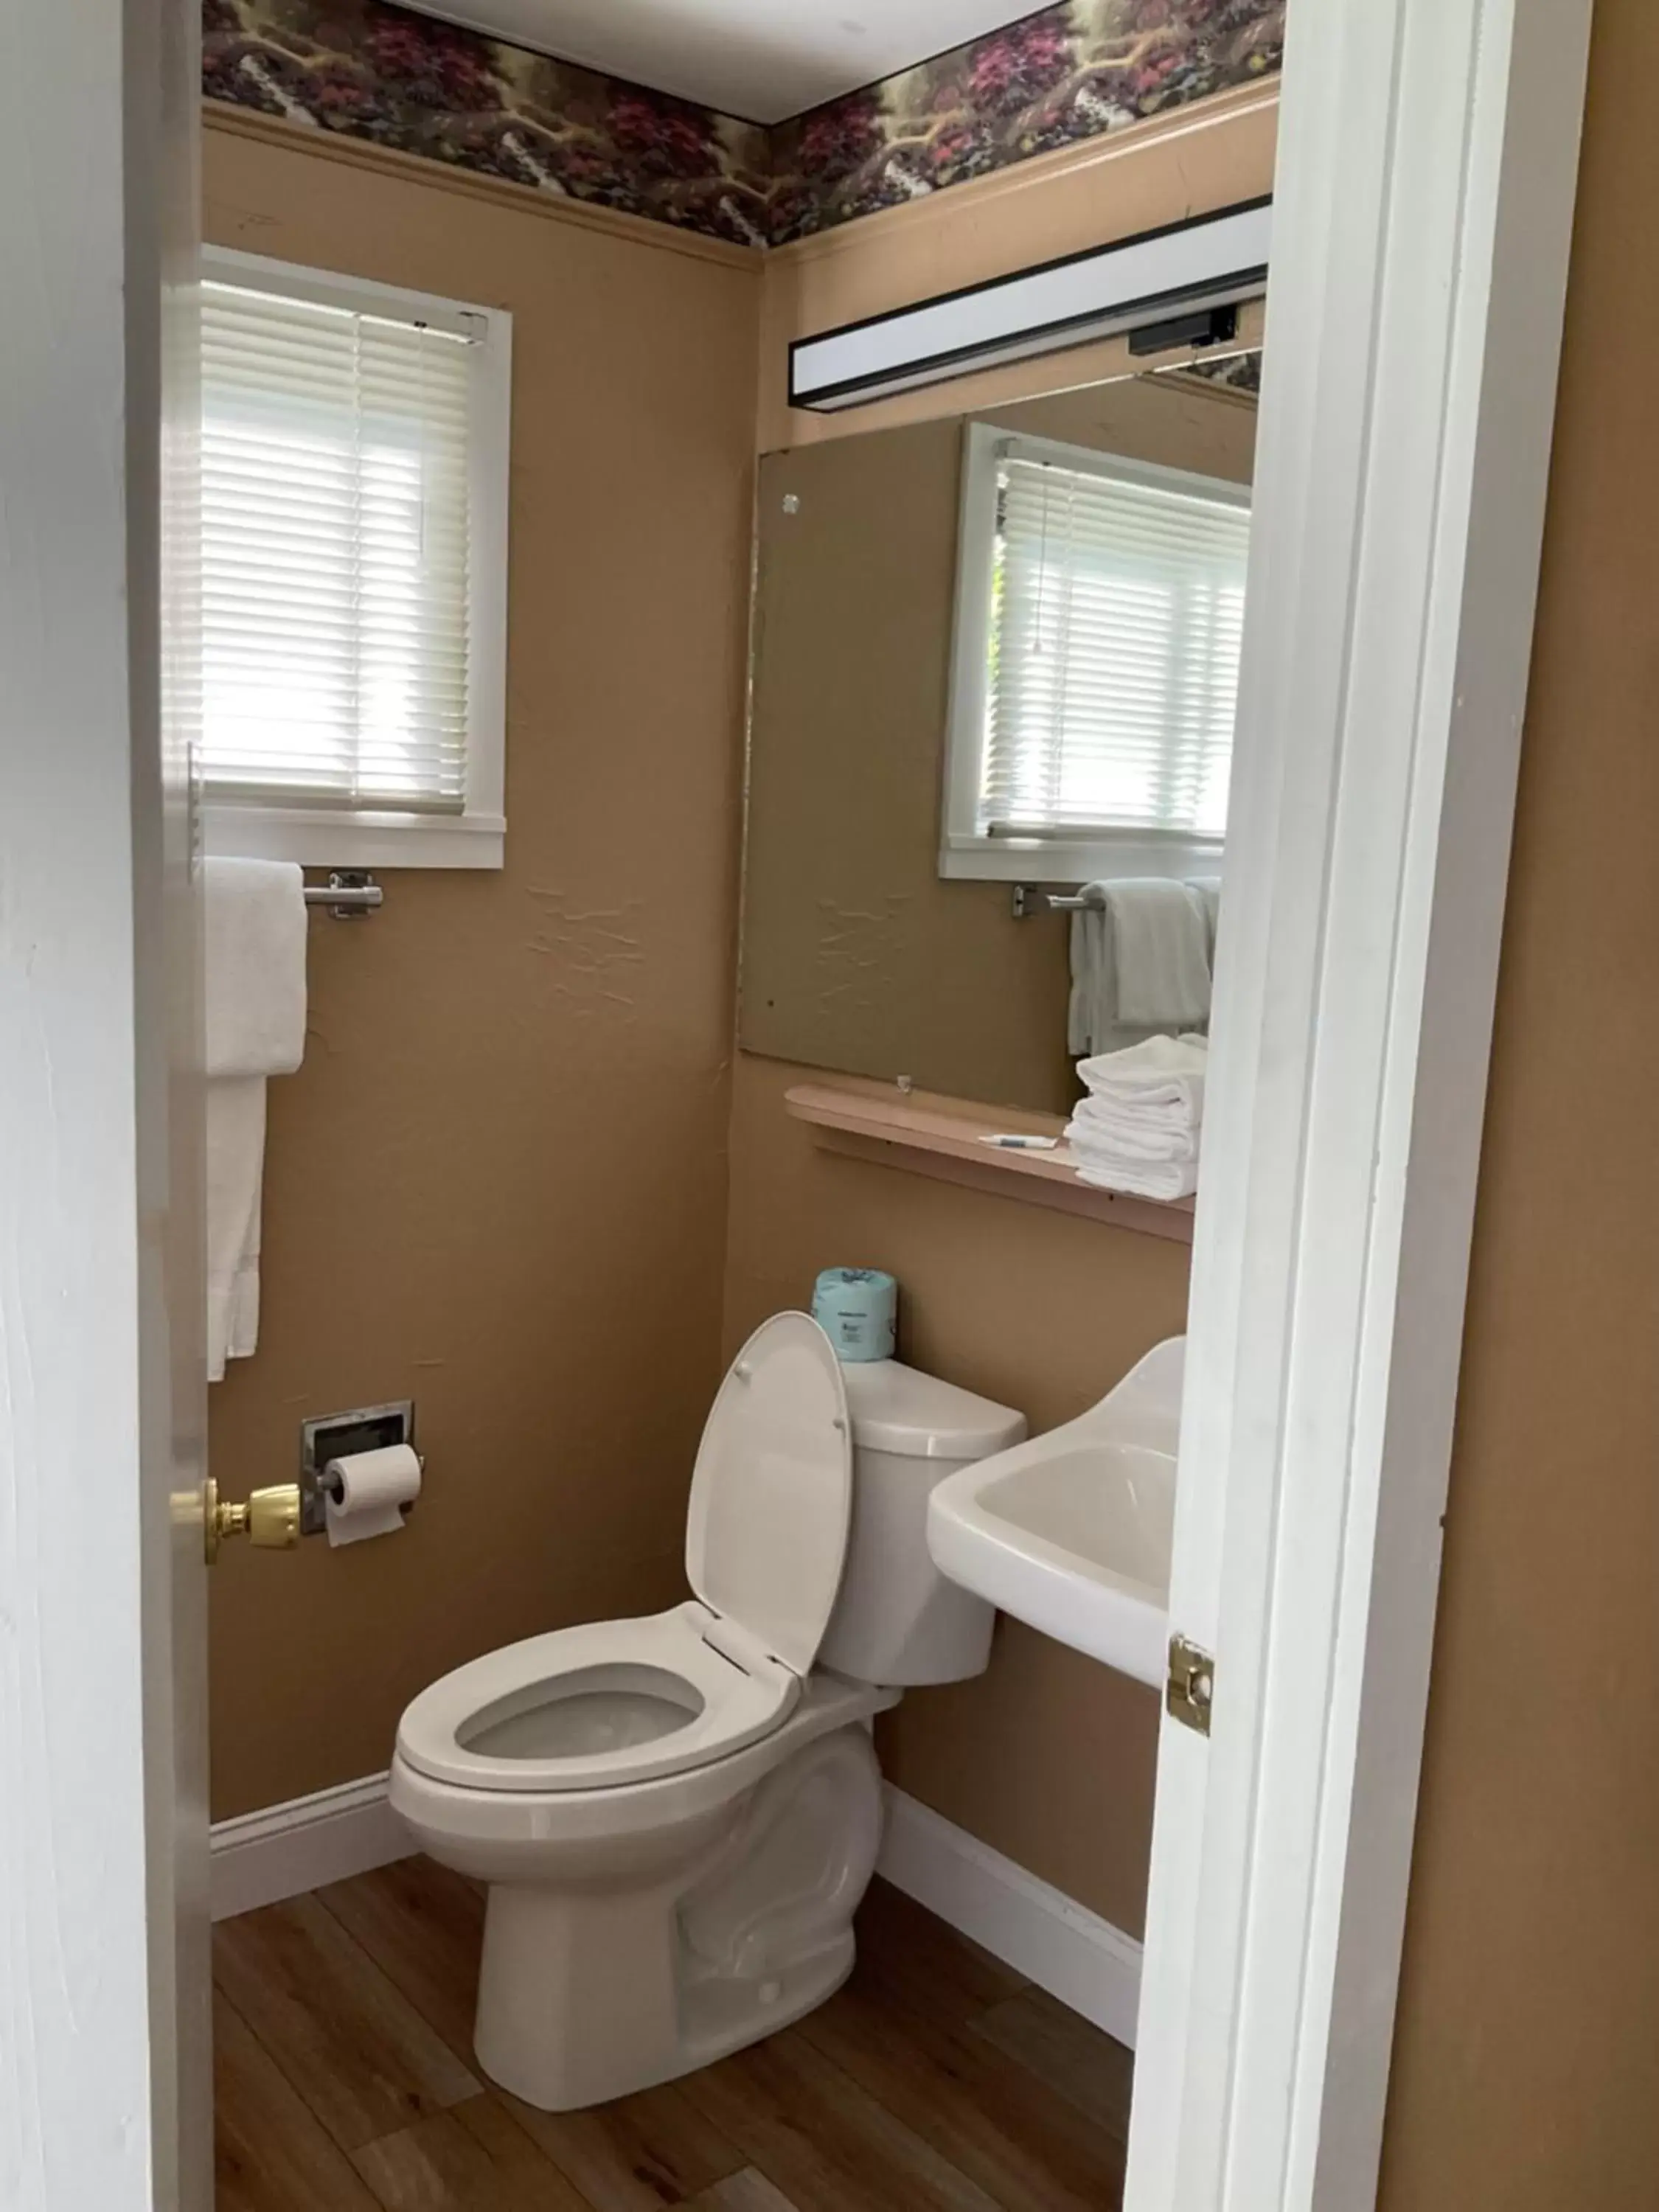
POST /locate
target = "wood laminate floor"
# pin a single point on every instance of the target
(936, 2081)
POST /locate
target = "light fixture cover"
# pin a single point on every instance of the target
(1208, 261)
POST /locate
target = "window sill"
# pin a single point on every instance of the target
(1057, 860)
(319, 839)
(946, 1138)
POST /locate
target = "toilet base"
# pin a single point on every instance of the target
(596, 1985)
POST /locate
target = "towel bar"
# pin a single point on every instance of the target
(347, 894)
(1031, 899)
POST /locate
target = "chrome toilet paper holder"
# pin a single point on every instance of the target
(336, 1436)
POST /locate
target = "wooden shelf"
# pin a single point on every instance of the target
(944, 1138)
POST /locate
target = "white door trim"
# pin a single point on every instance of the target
(1427, 171)
(104, 1991)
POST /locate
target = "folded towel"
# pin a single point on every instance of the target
(255, 922)
(1161, 953)
(1163, 1180)
(1162, 1078)
(1097, 1127)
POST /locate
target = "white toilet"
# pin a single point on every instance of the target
(677, 1816)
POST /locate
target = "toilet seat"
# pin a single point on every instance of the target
(618, 1702)
(595, 1707)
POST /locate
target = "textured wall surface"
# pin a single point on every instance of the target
(497, 1184)
(401, 79)
(1529, 2011)
(1049, 1758)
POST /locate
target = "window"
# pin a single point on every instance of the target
(354, 556)
(1100, 612)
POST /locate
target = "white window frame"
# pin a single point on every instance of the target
(965, 851)
(348, 837)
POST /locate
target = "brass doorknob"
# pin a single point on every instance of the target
(269, 1519)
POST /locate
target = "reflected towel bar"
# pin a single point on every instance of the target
(1031, 899)
(349, 895)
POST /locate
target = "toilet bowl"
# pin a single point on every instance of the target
(677, 1816)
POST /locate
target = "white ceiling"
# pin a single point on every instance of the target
(765, 59)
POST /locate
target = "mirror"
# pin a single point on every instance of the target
(989, 651)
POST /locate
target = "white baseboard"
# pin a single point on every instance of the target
(1060, 1945)
(288, 1848)
(1032, 1927)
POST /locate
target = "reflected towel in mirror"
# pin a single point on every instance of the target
(1161, 953)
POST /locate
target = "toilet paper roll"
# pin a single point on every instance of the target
(366, 1490)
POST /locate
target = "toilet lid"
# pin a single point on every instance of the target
(772, 1494)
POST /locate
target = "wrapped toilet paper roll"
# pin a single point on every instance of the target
(367, 1490)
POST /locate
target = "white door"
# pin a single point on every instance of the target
(1427, 167)
(104, 1995)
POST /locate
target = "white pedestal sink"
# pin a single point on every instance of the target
(1071, 1532)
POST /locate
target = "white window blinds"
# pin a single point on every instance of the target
(1116, 618)
(337, 551)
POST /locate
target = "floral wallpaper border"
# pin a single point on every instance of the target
(378, 71)
(1065, 73)
(1235, 372)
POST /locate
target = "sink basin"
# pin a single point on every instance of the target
(1071, 1532)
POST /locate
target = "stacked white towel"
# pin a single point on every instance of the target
(255, 924)
(1139, 1126)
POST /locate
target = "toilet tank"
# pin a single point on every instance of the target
(897, 1621)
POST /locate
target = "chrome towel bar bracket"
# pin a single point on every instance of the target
(349, 895)
(1031, 899)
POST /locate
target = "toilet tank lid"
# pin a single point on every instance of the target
(914, 1416)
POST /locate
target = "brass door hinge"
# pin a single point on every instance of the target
(1191, 1691)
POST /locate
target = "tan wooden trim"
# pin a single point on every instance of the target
(441, 176)
(960, 204)
(945, 1137)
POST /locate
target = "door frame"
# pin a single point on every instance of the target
(1427, 173)
(105, 1995)
(1428, 159)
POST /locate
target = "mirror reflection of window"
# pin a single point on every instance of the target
(1100, 614)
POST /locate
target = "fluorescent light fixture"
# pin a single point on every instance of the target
(1186, 270)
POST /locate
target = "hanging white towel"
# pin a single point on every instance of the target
(1093, 1011)
(254, 918)
(1208, 889)
(1093, 1022)
(235, 1178)
(1160, 948)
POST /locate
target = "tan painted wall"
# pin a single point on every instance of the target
(1049, 1756)
(498, 1183)
(856, 956)
(1523, 2076)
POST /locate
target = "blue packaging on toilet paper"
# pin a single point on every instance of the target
(857, 1309)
